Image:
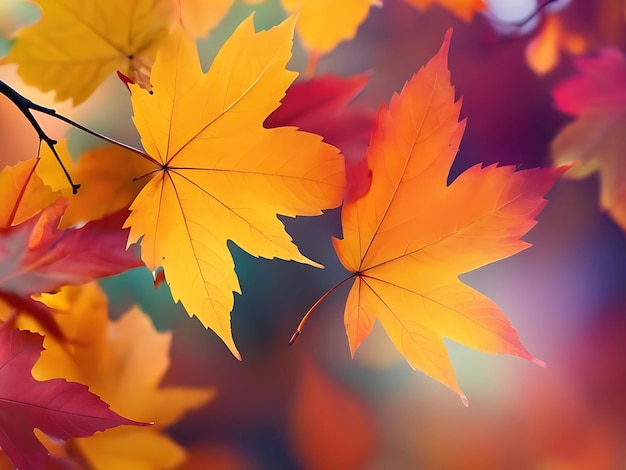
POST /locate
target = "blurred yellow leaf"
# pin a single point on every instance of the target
(77, 44)
(199, 17)
(218, 173)
(123, 362)
(544, 51)
(596, 139)
(323, 24)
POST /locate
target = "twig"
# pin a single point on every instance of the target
(25, 106)
(539, 9)
(523, 22)
(306, 316)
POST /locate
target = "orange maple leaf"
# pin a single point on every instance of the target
(407, 240)
(597, 97)
(330, 426)
(218, 174)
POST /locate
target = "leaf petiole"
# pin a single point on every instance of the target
(306, 316)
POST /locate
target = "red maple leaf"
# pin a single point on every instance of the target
(36, 257)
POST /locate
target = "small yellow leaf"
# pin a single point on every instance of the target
(544, 51)
(322, 24)
(199, 17)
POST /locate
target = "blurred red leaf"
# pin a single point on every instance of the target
(599, 85)
(321, 106)
(597, 97)
(35, 257)
(58, 408)
(23, 193)
(331, 427)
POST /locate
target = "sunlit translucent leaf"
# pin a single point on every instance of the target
(411, 235)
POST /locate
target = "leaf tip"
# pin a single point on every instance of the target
(561, 169)
(138, 423)
(539, 362)
(447, 38)
(125, 80)
(464, 400)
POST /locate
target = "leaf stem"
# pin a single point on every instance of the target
(306, 316)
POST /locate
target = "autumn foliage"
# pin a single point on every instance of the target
(228, 152)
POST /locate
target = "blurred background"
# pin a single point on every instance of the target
(311, 405)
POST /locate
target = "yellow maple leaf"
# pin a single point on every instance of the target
(218, 174)
(123, 362)
(199, 17)
(407, 240)
(464, 9)
(77, 44)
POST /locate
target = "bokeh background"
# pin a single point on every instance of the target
(311, 405)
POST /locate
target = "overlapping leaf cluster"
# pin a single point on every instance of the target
(222, 160)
